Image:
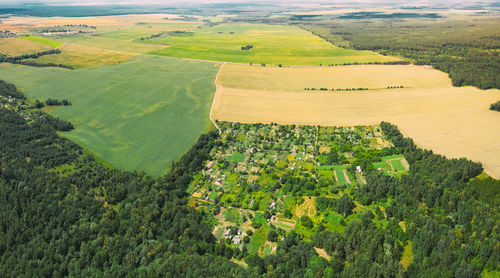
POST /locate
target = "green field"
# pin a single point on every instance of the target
(45, 41)
(138, 115)
(382, 165)
(128, 39)
(397, 165)
(341, 177)
(272, 44)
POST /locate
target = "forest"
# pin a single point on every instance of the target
(65, 214)
(469, 54)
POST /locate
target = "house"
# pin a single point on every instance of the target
(228, 233)
(358, 168)
(236, 239)
(272, 206)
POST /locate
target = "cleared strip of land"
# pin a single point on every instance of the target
(451, 121)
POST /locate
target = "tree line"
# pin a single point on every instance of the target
(21, 59)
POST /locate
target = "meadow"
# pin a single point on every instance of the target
(139, 115)
(46, 41)
(451, 121)
(271, 44)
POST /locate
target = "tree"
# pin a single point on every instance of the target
(345, 205)
(306, 221)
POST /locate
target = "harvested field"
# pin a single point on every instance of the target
(451, 121)
(296, 79)
(17, 47)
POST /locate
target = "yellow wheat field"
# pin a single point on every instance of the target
(455, 122)
(17, 47)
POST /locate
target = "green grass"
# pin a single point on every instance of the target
(45, 41)
(272, 44)
(397, 165)
(382, 165)
(237, 157)
(392, 157)
(138, 115)
(258, 238)
(341, 177)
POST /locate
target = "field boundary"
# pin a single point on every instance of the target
(213, 100)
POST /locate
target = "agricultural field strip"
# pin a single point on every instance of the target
(452, 121)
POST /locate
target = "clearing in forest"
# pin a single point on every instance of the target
(138, 115)
(260, 43)
(451, 121)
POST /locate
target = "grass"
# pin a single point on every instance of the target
(382, 165)
(258, 238)
(396, 156)
(397, 165)
(49, 42)
(139, 115)
(272, 44)
(127, 39)
(341, 177)
(237, 157)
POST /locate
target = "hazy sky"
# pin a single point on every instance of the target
(166, 2)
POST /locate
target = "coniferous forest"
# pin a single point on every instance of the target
(65, 214)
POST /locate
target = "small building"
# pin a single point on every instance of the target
(272, 206)
(236, 239)
(358, 168)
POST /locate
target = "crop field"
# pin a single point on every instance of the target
(82, 56)
(270, 44)
(138, 115)
(451, 121)
(128, 38)
(16, 47)
(46, 41)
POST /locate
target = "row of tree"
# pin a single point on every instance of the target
(22, 59)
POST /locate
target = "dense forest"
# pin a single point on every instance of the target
(466, 49)
(64, 214)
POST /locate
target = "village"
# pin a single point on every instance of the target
(265, 180)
